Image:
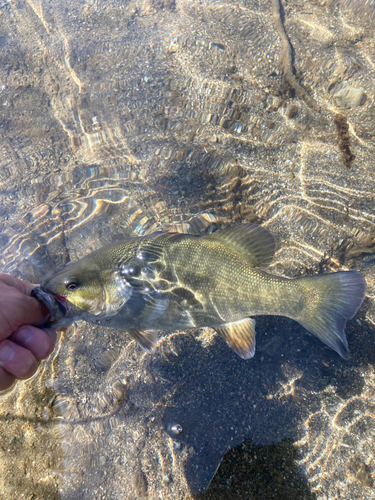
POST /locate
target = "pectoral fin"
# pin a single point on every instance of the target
(240, 336)
(154, 305)
(147, 339)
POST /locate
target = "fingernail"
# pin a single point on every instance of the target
(24, 335)
(7, 353)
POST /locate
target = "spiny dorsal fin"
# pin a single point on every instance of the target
(147, 339)
(240, 336)
(255, 243)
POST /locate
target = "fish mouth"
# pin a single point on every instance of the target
(62, 303)
(58, 307)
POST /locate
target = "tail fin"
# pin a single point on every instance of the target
(332, 299)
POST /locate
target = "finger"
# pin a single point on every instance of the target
(17, 310)
(37, 341)
(17, 360)
(31, 311)
(23, 286)
(6, 380)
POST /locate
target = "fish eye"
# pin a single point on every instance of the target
(72, 283)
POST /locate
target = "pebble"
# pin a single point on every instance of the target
(349, 97)
(176, 429)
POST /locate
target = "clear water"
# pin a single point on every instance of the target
(120, 118)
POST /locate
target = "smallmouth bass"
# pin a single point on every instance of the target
(174, 281)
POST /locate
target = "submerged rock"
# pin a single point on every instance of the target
(349, 97)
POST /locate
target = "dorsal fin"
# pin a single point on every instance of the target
(255, 243)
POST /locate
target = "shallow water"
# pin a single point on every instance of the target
(120, 118)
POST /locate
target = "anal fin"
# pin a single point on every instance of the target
(240, 336)
(147, 339)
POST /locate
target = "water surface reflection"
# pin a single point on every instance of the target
(124, 118)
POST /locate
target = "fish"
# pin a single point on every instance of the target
(176, 282)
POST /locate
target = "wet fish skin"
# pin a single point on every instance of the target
(173, 281)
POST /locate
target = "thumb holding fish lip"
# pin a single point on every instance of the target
(24, 286)
(17, 308)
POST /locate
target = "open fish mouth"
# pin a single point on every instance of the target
(58, 307)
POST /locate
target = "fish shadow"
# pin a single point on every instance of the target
(261, 404)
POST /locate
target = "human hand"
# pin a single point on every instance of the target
(22, 345)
